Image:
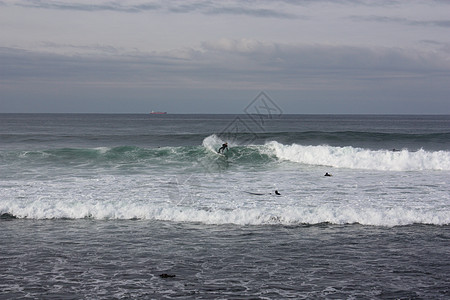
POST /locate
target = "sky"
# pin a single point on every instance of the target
(308, 57)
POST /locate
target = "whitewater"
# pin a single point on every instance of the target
(140, 194)
(370, 187)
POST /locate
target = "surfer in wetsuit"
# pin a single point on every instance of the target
(224, 146)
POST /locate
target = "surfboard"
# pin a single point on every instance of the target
(252, 193)
(262, 194)
(220, 154)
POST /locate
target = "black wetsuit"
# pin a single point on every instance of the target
(224, 146)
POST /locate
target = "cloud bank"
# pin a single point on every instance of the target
(310, 54)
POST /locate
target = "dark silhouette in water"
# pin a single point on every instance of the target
(224, 146)
(327, 174)
(262, 194)
(7, 216)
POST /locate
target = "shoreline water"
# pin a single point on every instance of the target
(126, 258)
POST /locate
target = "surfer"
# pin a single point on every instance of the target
(327, 174)
(261, 194)
(276, 193)
(224, 146)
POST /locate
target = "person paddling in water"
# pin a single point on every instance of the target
(224, 146)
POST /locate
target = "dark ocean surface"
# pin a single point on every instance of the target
(98, 206)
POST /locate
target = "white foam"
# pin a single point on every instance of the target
(288, 215)
(102, 150)
(358, 158)
(373, 197)
(194, 200)
(212, 142)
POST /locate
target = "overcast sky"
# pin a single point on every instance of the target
(347, 56)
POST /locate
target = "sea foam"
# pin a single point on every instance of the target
(359, 158)
(212, 142)
(287, 215)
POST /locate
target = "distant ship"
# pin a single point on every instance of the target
(158, 112)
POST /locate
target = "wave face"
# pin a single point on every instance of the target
(251, 155)
(169, 169)
(195, 184)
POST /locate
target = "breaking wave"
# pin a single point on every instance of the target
(359, 158)
(286, 215)
(250, 155)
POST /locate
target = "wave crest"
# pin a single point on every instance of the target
(288, 215)
(359, 158)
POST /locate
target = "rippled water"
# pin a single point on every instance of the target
(68, 259)
(136, 206)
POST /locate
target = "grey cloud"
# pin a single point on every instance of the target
(361, 73)
(22, 66)
(351, 3)
(329, 57)
(262, 9)
(108, 6)
(432, 42)
(440, 23)
(246, 63)
(247, 8)
(187, 7)
(83, 48)
(205, 7)
(440, 46)
(254, 12)
(404, 21)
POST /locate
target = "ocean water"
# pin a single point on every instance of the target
(97, 206)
